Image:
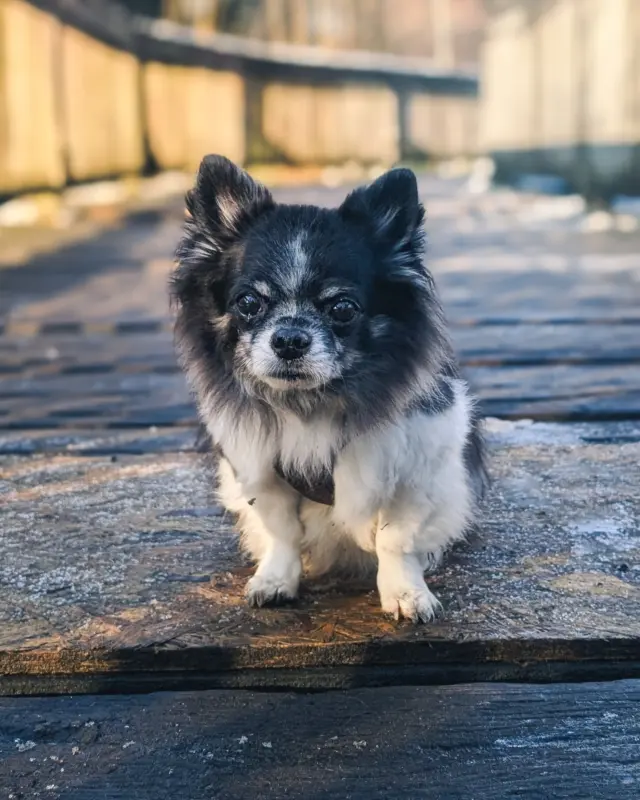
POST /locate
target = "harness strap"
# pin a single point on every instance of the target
(322, 490)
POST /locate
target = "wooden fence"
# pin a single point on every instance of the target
(88, 91)
(561, 92)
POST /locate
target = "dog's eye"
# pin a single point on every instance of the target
(343, 311)
(249, 305)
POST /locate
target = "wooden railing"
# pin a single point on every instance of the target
(88, 91)
(448, 31)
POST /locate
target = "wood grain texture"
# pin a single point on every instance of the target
(141, 441)
(147, 346)
(558, 391)
(143, 393)
(123, 441)
(118, 274)
(495, 256)
(575, 742)
(117, 568)
(545, 316)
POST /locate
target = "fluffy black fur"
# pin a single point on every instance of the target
(373, 244)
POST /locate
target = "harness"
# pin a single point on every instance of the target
(322, 490)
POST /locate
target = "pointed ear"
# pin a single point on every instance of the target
(390, 208)
(225, 199)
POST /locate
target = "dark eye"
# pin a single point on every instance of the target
(249, 305)
(343, 311)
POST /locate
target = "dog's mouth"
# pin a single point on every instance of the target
(294, 374)
(297, 369)
(292, 377)
(310, 372)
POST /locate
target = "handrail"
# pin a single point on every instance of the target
(112, 93)
(170, 42)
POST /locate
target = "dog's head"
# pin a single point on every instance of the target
(298, 299)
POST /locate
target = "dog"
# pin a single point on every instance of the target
(318, 353)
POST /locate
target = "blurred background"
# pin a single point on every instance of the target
(447, 31)
(94, 89)
(521, 118)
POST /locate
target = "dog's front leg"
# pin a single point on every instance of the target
(401, 584)
(271, 531)
(273, 520)
(269, 524)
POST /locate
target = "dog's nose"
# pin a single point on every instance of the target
(290, 343)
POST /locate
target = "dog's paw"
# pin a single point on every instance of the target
(415, 603)
(267, 587)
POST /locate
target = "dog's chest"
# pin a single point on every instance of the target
(318, 487)
(306, 453)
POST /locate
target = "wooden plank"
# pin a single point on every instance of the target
(494, 255)
(473, 295)
(114, 442)
(570, 391)
(479, 741)
(138, 441)
(124, 573)
(149, 348)
(119, 273)
(95, 399)
(558, 392)
(521, 344)
(88, 353)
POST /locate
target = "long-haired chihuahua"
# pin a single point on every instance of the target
(316, 346)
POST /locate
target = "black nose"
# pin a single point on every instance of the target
(290, 343)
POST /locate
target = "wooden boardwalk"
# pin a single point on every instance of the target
(119, 573)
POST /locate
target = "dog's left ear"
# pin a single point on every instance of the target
(225, 199)
(391, 210)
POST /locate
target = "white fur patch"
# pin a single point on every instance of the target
(297, 267)
(263, 288)
(402, 496)
(228, 209)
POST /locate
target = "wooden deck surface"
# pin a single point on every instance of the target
(480, 741)
(119, 572)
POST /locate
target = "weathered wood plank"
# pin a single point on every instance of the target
(516, 345)
(485, 345)
(115, 573)
(138, 441)
(480, 741)
(494, 256)
(479, 283)
(95, 399)
(111, 442)
(118, 274)
(556, 392)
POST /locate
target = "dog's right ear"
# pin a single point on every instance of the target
(222, 205)
(225, 201)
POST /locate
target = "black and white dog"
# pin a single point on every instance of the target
(316, 346)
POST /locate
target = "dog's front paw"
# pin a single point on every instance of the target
(413, 602)
(269, 585)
